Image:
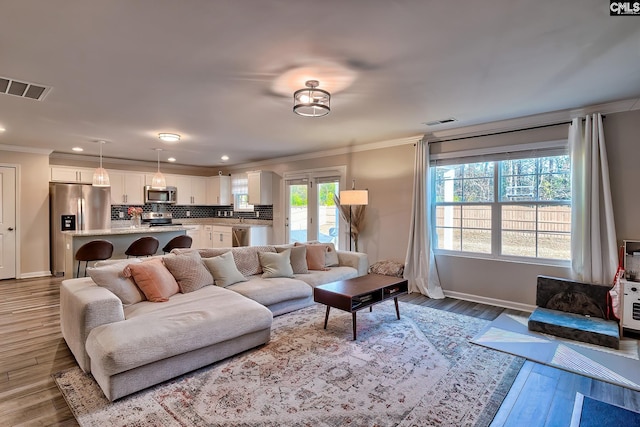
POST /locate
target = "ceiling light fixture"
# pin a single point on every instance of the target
(100, 176)
(169, 137)
(224, 158)
(311, 101)
(78, 149)
(171, 159)
(158, 181)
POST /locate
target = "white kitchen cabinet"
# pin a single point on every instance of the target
(219, 190)
(195, 232)
(218, 236)
(127, 188)
(71, 174)
(192, 190)
(260, 187)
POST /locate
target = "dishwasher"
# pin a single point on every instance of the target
(239, 236)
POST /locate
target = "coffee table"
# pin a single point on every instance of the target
(353, 295)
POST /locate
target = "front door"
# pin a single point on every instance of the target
(7, 222)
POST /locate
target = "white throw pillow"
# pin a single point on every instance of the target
(223, 269)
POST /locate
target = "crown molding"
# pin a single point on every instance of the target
(333, 152)
(544, 119)
(21, 149)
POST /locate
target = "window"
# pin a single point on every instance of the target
(240, 192)
(517, 207)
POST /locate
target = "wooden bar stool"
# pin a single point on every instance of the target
(183, 241)
(144, 246)
(95, 250)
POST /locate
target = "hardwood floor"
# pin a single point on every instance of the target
(32, 349)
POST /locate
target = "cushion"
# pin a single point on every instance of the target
(316, 256)
(223, 269)
(110, 276)
(188, 270)
(298, 258)
(276, 264)
(387, 268)
(247, 260)
(331, 257)
(153, 278)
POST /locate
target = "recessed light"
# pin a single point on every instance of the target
(171, 159)
(2, 129)
(224, 158)
(169, 137)
(78, 149)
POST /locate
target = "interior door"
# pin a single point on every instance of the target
(7, 222)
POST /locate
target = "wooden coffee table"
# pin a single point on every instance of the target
(355, 294)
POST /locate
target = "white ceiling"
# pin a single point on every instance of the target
(124, 70)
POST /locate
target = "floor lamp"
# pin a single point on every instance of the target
(352, 198)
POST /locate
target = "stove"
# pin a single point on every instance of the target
(158, 219)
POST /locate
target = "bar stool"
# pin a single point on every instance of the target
(95, 250)
(183, 241)
(144, 246)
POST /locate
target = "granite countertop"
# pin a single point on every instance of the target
(224, 222)
(124, 230)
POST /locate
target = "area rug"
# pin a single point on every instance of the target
(590, 412)
(419, 370)
(509, 333)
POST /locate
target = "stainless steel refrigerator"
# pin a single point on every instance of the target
(75, 207)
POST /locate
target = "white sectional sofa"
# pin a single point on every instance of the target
(129, 343)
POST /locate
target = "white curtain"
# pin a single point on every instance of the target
(593, 233)
(420, 266)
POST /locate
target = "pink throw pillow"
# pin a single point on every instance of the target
(153, 278)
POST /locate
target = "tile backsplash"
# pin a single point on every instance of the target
(263, 212)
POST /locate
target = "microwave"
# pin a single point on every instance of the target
(167, 195)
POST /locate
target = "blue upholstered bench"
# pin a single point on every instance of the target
(575, 311)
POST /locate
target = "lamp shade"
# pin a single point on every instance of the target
(354, 197)
(101, 178)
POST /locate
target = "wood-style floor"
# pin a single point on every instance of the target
(32, 349)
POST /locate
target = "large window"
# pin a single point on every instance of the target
(511, 207)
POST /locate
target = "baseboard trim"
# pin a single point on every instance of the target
(490, 301)
(34, 274)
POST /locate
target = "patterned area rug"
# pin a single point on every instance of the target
(419, 370)
(509, 333)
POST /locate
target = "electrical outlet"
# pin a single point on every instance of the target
(257, 214)
(219, 213)
(188, 213)
(120, 214)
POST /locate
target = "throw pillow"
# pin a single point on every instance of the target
(387, 268)
(316, 256)
(153, 278)
(276, 264)
(331, 257)
(109, 276)
(298, 258)
(188, 270)
(223, 269)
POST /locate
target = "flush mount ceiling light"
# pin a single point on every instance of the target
(169, 137)
(158, 181)
(100, 176)
(311, 101)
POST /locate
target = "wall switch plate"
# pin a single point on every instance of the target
(188, 213)
(120, 214)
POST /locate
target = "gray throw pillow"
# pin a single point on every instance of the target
(276, 264)
(223, 269)
(188, 270)
(298, 258)
(109, 276)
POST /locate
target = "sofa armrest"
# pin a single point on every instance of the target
(84, 306)
(357, 260)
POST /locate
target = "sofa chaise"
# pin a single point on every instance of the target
(129, 340)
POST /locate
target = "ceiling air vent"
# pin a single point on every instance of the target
(23, 89)
(441, 122)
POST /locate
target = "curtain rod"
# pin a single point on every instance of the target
(499, 133)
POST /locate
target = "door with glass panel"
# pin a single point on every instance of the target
(311, 210)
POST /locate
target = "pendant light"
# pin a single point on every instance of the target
(100, 176)
(158, 181)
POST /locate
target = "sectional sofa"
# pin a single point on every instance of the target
(133, 323)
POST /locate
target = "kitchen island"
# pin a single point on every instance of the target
(120, 237)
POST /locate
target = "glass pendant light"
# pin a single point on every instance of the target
(100, 176)
(158, 181)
